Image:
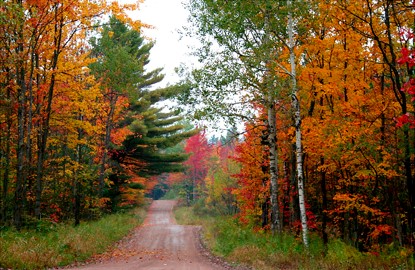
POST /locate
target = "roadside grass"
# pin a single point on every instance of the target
(263, 251)
(170, 195)
(63, 244)
(186, 216)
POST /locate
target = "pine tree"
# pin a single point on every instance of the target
(153, 134)
(122, 55)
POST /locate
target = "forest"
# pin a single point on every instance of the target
(80, 135)
(324, 90)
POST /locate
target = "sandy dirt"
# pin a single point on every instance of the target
(159, 243)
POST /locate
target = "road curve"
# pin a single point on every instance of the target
(159, 243)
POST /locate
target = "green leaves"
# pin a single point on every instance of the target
(121, 55)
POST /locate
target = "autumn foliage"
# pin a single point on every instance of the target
(356, 87)
(69, 86)
(77, 137)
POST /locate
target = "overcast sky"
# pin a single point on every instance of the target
(170, 50)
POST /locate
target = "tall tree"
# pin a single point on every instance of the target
(245, 62)
(121, 55)
(148, 130)
(254, 37)
(383, 24)
(36, 40)
(297, 121)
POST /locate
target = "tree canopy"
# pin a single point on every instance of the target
(72, 111)
(325, 91)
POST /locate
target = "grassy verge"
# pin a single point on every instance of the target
(226, 238)
(64, 244)
(185, 216)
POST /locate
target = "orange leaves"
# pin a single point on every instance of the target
(174, 178)
(350, 111)
(365, 212)
(119, 135)
(381, 230)
(253, 184)
(102, 202)
(350, 201)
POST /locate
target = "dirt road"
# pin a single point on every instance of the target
(159, 244)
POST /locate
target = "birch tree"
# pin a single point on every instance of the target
(255, 36)
(242, 69)
(297, 123)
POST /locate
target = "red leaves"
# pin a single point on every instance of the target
(408, 59)
(200, 151)
(409, 87)
(55, 216)
(405, 119)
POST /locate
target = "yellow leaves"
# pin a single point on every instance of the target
(384, 168)
(364, 174)
(115, 7)
(356, 202)
(347, 198)
(120, 12)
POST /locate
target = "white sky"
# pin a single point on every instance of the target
(170, 50)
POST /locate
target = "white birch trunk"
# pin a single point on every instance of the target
(276, 226)
(297, 123)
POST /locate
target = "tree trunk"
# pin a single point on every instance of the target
(107, 140)
(45, 123)
(295, 208)
(324, 208)
(20, 170)
(76, 185)
(297, 124)
(273, 166)
(18, 194)
(6, 173)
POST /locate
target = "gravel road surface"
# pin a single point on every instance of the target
(159, 243)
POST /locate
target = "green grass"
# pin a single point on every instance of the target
(228, 239)
(170, 195)
(64, 244)
(185, 215)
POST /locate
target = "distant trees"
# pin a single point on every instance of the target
(197, 165)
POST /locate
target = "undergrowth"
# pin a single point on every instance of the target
(63, 244)
(262, 251)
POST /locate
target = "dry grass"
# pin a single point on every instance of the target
(249, 255)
